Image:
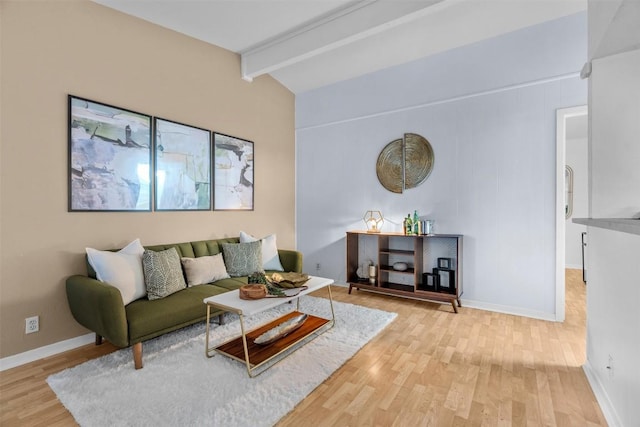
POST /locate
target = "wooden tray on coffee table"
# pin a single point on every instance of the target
(261, 353)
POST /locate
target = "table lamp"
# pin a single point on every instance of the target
(373, 221)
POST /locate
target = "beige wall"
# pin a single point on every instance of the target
(52, 49)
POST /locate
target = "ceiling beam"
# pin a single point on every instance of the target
(356, 21)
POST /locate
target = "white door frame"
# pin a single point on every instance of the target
(562, 114)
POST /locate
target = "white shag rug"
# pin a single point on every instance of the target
(180, 386)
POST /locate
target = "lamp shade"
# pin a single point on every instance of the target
(373, 220)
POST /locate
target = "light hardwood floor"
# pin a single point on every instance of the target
(429, 367)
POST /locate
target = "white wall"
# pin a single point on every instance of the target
(613, 321)
(613, 291)
(488, 110)
(577, 157)
(615, 148)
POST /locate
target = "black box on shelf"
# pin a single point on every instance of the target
(445, 263)
(446, 280)
(429, 282)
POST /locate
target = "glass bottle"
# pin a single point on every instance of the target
(409, 227)
(415, 223)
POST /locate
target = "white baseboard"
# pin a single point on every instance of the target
(516, 311)
(46, 351)
(573, 266)
(602, 397)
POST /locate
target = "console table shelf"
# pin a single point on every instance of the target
(410, 271)
(396, 252)
(420, 252)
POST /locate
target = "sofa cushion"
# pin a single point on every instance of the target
(183, 249)
(242, 259)
(270, 258)
(162, 273)
(232, 284)
(122, 269)
(148, 319)
(206, 248)
(204, 269)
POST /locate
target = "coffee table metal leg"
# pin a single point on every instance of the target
(246, 348)
(206, 339)
(333, 314)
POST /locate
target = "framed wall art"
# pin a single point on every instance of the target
(109, 158)
(233, 173)
(182, 157)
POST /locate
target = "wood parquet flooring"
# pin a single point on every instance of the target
(429, 367)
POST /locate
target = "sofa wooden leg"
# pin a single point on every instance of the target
(220, 319)
(98, 339)
(137, 355)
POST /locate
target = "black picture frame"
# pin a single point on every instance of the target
(182, 167)
(109, 158)
(446, 280)
(429, 282)
(233, 173)
(444, 263)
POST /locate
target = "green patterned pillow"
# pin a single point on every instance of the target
(162, 273)
(242, 259)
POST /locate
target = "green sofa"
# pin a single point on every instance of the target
(98, 306)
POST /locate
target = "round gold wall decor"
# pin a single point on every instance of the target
(418, 156)
(405, 163)
(389, 167)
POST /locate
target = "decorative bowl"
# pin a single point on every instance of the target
(400, 266)
(253, 291)
(288, 279)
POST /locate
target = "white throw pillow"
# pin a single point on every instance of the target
(270, 258)
(204, 269)
(122, 269)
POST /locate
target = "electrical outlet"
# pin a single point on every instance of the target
(610, 366)
(32, 324)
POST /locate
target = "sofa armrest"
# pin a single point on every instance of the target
(98, 306)
(290, 260)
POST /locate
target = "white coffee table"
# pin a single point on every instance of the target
(243, 348)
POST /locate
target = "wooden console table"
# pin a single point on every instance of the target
(420, 252)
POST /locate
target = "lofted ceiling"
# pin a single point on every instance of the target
(306, 44)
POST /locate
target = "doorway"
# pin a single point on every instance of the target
(571, 128)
